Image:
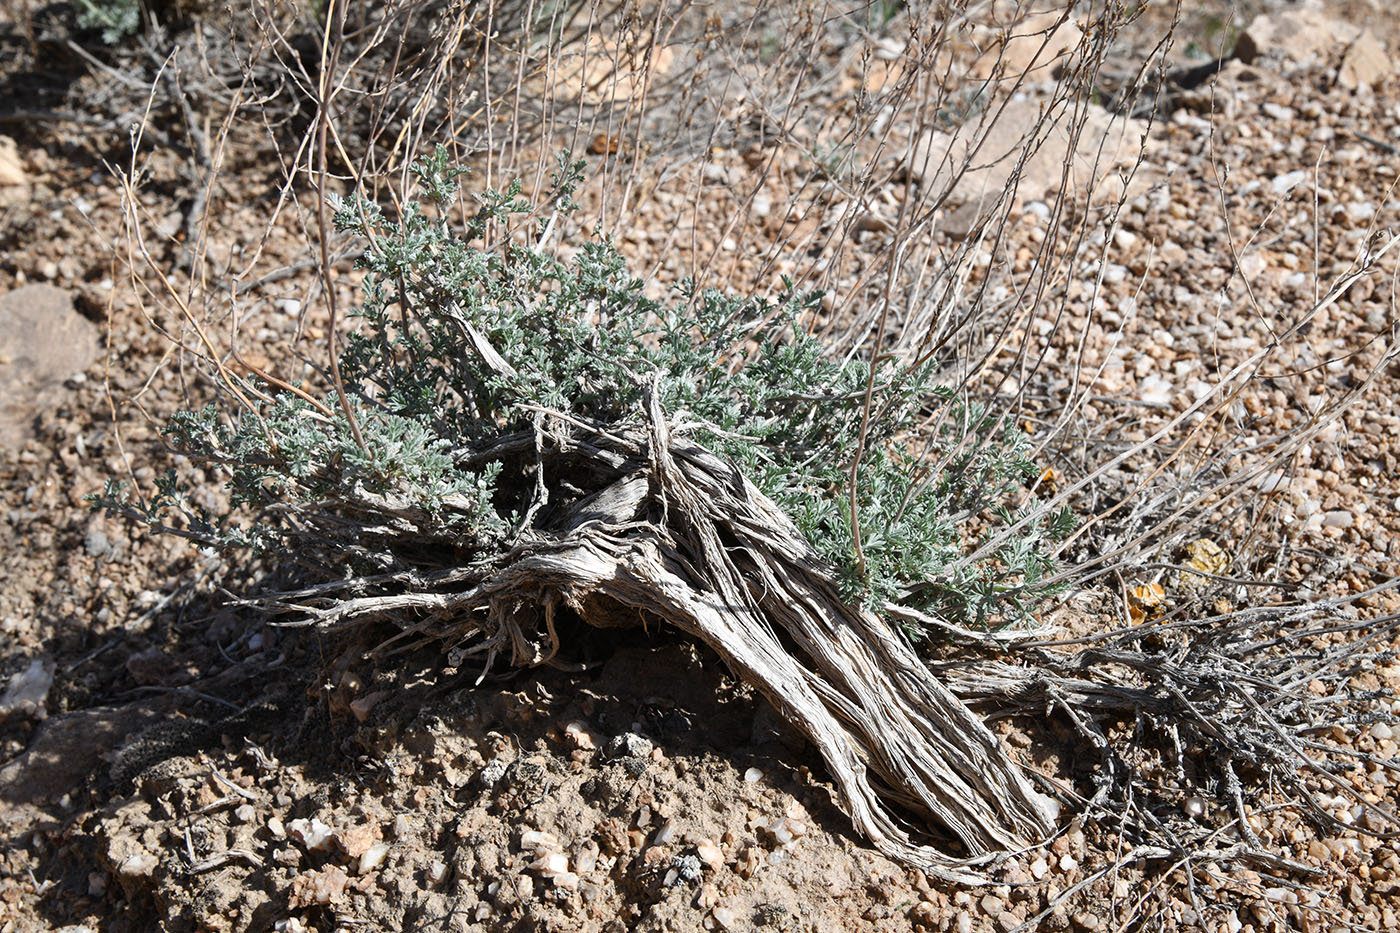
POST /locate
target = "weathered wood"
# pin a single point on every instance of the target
(683, 537)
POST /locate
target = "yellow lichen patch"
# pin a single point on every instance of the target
(1202, 555)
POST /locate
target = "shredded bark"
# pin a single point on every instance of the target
(639, 524)
(674, 533)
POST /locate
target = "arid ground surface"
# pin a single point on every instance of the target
(170, 760)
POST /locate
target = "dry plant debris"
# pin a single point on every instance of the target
(1101, 330)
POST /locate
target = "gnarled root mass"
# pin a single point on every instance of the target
(671, 532)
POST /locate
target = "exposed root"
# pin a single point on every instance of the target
(651, 527)
(680, 536)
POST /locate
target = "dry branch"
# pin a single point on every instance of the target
(678, 535)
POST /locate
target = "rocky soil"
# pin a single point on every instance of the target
(171, 760)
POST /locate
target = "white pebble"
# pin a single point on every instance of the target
(709, 854)
(785, 831)
(1288, 181)
(1155, 390)
(578, 735)
(753, 775)
(550, 864)
(437, 871)
(1381, 732)
(1341, 518)
(314, 834)
(1200, 390)
(1361, 210)
(138, 866)
(373, 857)
(537, 840)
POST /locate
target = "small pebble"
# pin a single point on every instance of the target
(707, 897)
(550, 864)
(629, 745)
(925, 913)
(709, 854)
(372, 858)
(785, 831)
(537, 840)
(578, 735)
(314, 834)
(1340, 518)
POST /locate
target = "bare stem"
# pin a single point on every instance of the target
(330, 55)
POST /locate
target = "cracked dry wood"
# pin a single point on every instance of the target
(682, 536)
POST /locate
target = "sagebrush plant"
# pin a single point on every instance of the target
(116, 19)
(580, 337)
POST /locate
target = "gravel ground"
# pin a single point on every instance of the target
(190, 767)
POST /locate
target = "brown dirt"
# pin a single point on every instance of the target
(194, 768)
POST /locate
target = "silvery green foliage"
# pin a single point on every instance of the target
(116, 18)
(581, 337)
